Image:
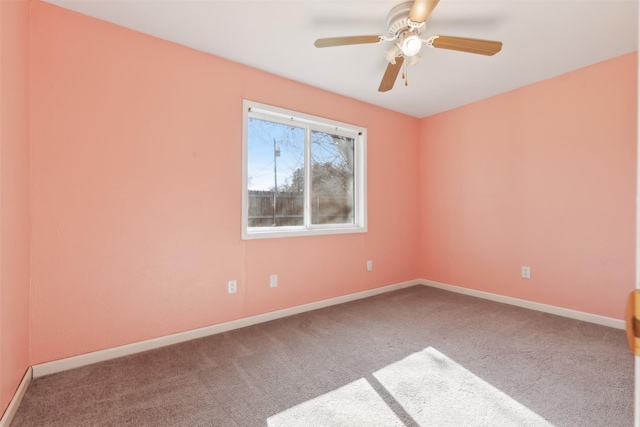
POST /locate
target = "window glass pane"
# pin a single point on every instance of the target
(275, 174)
(332, 172)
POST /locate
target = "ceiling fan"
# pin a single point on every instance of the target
(405, 23)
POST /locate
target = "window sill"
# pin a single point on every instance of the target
(280, 232)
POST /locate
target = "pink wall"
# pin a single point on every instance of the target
(542, 176)
(136, 191)
(14, 197)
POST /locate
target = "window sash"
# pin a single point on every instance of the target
(253, 110)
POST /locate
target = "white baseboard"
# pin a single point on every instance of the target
(125, 350)
(6, 419)
(551, 309)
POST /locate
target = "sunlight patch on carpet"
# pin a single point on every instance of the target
(431, 388)
(354, 405)
(435, 390)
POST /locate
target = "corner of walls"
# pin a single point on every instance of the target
(422, 195)
(542, 176)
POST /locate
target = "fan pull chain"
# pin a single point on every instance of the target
(405, 74)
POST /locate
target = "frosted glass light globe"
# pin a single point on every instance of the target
(411, 45)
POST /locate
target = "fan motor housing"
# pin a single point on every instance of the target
(398, 20)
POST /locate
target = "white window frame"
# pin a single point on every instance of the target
(253, 109)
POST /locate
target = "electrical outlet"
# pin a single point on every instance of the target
(273, 281)
(369, 265)
(526, 272)
(232, 287)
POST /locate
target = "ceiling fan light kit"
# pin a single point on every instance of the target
(405, 23)
(391, 53)
(413, 60)
(411, 45)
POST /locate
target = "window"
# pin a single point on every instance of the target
(302, 175)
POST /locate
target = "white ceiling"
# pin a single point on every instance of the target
(542, 39)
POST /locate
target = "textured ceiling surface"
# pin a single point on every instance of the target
(541, 39)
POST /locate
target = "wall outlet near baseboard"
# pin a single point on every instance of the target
(273, 281)
(232, 287)
(369, 265)
(526, 272)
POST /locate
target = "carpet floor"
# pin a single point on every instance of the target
(414, 357)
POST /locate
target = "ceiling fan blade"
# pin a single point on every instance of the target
(343, 41)
(390, 75)
(463, 44)
(421, 10)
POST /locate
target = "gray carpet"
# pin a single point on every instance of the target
(476, 363)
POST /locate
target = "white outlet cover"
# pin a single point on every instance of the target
(273, 281)
(232, 287)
